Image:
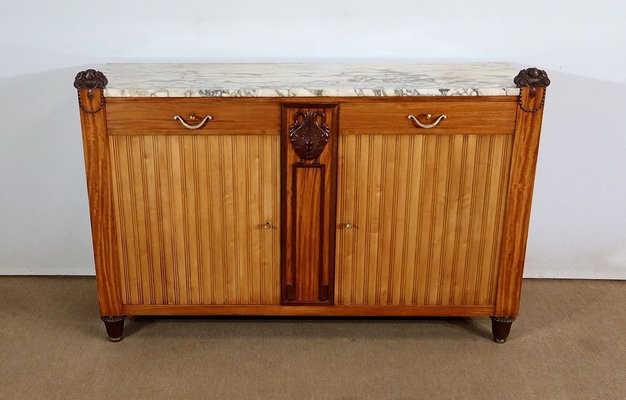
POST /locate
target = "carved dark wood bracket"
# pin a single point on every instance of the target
(90, 79)
(309, 134)
(532, 78)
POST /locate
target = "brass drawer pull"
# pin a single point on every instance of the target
(192, 117)
(267, 226)
(428, 116)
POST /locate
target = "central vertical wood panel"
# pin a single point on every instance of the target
(191, 214)
(426, 214)
(308, 182)
(309, 188)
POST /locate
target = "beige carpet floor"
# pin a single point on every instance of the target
(569, 343)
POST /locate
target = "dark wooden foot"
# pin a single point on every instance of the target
(501, 326)
(114, 326)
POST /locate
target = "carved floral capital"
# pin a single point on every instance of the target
(90, 79)
(532, 78)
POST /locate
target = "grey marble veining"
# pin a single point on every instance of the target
(310, 80)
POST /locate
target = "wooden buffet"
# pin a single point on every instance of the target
(310, 190)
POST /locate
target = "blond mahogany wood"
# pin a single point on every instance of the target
(426, 215)
(97, 168)
(311, 310)
(235, 116)
(463, 117)
(517, 215)
(308, 238)
(156, 116)
(430, 221)
(191, 212)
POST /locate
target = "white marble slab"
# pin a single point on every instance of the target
(310, 80)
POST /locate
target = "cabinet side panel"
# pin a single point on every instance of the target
(192, 214)
(427, 215)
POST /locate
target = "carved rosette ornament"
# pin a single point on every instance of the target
(532, 78)
(90, 80)
(309, 134)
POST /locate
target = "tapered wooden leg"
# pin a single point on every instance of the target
(501, 326)
(114, 326)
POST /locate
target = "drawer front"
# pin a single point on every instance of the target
(147, 116)
(462, 117)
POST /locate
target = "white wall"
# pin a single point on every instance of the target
(578, 226)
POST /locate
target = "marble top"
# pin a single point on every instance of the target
(310, 80)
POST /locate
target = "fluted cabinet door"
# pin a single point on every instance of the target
(420, 218)
(197, 218)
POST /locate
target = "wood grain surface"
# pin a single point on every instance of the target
(156, 116)
(309, 310)
(191, 213)
(427, 216)
(438, 218)
(98, 171)
(308, 201)
(463, 117)
(520, 194)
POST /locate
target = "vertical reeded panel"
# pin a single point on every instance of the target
(426, 215)
(191, 214)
